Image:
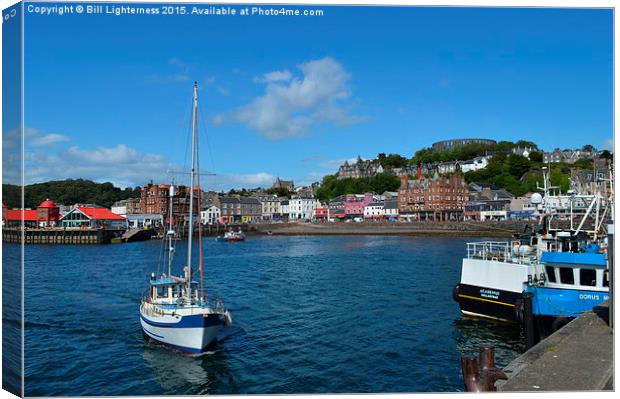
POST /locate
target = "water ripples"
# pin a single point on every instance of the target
(311, 315)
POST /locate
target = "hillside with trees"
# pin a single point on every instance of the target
(331, 187)
(67, 192)
(468, 151)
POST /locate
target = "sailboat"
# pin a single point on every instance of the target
(175, 310)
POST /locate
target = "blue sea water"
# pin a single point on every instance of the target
(335, 314)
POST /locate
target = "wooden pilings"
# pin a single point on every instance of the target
(57, 236)
(479, 375)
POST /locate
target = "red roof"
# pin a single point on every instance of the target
(16, 214)
(100, 213)
(48, 204)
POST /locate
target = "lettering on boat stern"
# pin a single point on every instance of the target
(490, 294)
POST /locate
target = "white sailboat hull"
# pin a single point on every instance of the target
(190, 333)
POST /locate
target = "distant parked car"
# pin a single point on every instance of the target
(358, 220)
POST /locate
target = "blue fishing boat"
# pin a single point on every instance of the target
(570, 284)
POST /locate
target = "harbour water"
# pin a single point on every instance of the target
(311, 314)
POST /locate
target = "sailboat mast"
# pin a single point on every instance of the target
(170, 233)
(191, 191)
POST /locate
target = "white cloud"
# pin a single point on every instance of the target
(121, 165)
(32, 138)
(225, 182)
(275, 76)
(36, 138)
(293, 106)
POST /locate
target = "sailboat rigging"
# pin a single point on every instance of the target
(175, 310)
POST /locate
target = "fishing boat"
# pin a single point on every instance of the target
(232, 236)
(572, 284)
(175, 310)
(495, 274)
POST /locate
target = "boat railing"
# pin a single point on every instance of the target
(501, 251)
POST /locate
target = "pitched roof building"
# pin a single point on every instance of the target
(359, 169)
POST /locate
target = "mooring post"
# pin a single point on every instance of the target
(489, 373)
(529, 327)
(471, 374)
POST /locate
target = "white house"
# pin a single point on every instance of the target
(374, 210)
(301, 208)
(474, 164)
(211, 215)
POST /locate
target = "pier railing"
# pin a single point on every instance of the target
(501, 251)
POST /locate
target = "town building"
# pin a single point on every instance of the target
(474, 164)
(321, 212)
(93, 218)
(521, 208)
(301, 208)
(251, 209)
(230, 210)
(271, 208)
(144, 220)
(523, 151)
(129, 206)
(46, 214)
(487, 202)
(374, 210)
(285, 184)
(155, 199)
(211, 215)
(336, 208)
(15, 217)
(586, 181)
(486, 210)
(438, 198)
(390, 209)
(359, 169)
(354, 204)
(285, 207)
(567, 156)
(449, 144)
(445, 168)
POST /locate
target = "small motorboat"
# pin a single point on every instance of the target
(232, 236)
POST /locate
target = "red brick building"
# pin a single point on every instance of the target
(154, 199)
(436, 199)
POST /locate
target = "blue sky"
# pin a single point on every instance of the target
(108, 97)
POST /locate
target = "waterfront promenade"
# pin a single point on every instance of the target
(455, 228)
(578, 357)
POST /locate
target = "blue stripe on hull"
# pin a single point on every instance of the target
(190, 321)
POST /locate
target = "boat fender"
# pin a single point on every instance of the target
(455, 293)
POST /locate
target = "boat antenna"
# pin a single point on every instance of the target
(188, 273)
